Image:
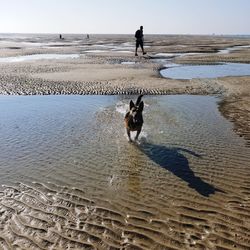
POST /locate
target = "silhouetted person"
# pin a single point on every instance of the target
(139, 40)
(60, 36)
(87, 36)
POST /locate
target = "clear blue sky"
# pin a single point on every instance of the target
(125, 16)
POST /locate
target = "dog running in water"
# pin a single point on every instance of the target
(133, 118)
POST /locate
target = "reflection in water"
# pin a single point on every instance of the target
(134, 178)
(134, 170)
(173, 160)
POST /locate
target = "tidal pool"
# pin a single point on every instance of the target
(70, 178)
(38, 57)
(206, 71)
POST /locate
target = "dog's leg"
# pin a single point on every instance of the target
(137, 134)
(128, 133)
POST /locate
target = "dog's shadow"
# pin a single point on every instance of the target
(173, 160)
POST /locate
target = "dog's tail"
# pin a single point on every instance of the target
(138, 100)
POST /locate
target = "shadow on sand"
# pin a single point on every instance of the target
(173, 160)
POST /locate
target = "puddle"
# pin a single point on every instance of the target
(107, 51)
(95, 51)
(230, 49)
(172, 55)
(122, 51)
(68, 172)
(38, 57)
(164, 55)
(206, 71)
(10, 44)
(128, 63)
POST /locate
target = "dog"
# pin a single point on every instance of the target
(133, 119)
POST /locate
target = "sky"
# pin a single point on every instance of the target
(125, 16)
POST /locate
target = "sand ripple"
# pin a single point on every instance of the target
(49, 216)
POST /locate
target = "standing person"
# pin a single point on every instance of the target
(139, 40)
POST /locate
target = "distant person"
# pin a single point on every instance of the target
(87, 36)
(60, 36)
(139, 40)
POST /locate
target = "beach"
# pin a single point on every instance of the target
(70, 179)
(106, 65)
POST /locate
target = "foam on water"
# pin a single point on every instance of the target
(122, 108)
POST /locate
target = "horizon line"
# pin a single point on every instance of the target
(192, 34)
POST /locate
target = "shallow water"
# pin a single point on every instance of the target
(206, 71)
(71, 179)
(106, 51)
(128, 63)
(38, 57)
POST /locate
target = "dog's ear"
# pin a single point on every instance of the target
(141, 106)
(138, 100)
(131, 104)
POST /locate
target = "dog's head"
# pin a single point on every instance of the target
(135, 111)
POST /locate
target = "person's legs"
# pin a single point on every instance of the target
(143, 52)
(141, 45)
(136, 48)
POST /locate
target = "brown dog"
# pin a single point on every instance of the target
(133, 119)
